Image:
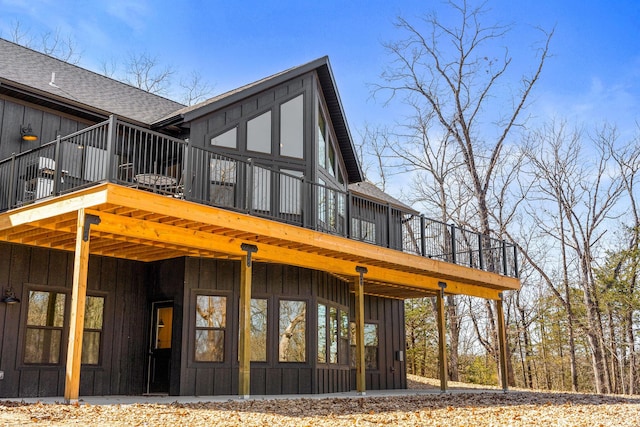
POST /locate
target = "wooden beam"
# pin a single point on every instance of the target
(442, 338)
(76, 320)
(244, 346)
(502, 338)
(360, 362)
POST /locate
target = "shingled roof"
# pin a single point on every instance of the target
(370, 191)
(26, 70)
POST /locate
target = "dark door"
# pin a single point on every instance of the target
(159, 369)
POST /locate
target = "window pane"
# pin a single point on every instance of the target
(223, 171)
(259, 133)
(290, 192)
(322, 333)
(227, 139)
(331, 166)
(291, 128)
(292, 331)
(93, 312)
(211, 311)
(333, 335)
(209, 346)
(344, 337)
(91, 348)
(370, 345)
(42, 345)
(322, 203)
(322, 140)
(259, 330)
(261, 189)
(46, 309)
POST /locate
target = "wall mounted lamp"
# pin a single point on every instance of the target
(27, 133)
(10, 297)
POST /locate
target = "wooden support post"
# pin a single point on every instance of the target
(442, 338)
(502, 338)
(360, 365)
(78, 299)
(244, 346)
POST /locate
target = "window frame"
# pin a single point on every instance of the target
(341, 360)
(353, 344)
(193, 335)
(101, 331)
(306, 331)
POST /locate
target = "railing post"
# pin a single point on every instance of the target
(504, 258)
(13, 181)
(480, 254)
(249, 200)
(423, 236)
(453, 244)
(111, 137)
(516, 273)
(57, 171)
(186, 171)
(348, 213)
(388, 225)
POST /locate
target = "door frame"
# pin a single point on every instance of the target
(153, 335)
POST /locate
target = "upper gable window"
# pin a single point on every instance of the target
(259, 133)
(292, 127)
(322, 140)
(227, 139)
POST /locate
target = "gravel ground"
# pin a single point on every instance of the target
(516, 408)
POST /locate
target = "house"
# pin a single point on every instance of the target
(226, 248)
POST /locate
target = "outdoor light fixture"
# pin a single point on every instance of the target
(9, 297)
(27, 133)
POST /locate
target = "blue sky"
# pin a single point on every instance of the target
(592, 76)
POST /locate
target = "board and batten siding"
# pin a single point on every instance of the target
(122, 367)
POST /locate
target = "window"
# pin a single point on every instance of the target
(261, 198)
(259, 133)
(363, 230)
(292, 331)
(211, 315)
(292, 128)
(322, 139)
(93, 320)
(226, 139)
(333, 335)
(322, 333)
(258, 330)
(223, 180)
(370, 345)
(45, 320)
(291, 192)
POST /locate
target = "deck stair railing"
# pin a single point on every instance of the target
(115, 151)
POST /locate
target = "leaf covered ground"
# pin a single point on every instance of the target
(472, 408)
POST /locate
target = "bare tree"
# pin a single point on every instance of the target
(145, 72)
(195, 89)
(62, 47)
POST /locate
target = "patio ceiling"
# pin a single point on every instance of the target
(140, 225)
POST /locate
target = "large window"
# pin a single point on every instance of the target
(370, 345)
(45, 320)
(93, 321)
(211, 315)
(333, 335)
(259, 133)
(291, 192)
(292, 128)
(226, 139)
(292, 331)
(259, 330)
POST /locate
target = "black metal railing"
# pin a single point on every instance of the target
(114, 151)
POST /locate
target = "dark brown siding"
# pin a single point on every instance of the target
(45, 123)
(122, 367)
(388, 314)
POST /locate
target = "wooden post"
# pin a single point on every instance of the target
(76, 320)
(442, 338)
(244, 346)
(360, 366)
(502, 338)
